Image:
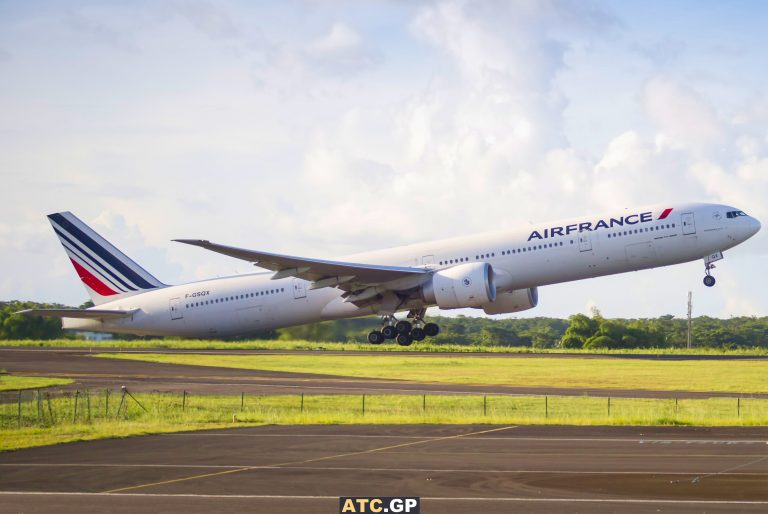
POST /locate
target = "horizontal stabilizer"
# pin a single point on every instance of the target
(101, 314)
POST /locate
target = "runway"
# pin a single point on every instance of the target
(453, 468)
(93, 373)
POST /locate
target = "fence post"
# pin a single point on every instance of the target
(122, 400)
(106, 403)
(485, 405)
(242, 400)
(675, 405)
(40, 413)
(50, 410)
(424, 403)
(19, 410)
(546, 406)
(363, 404)
(184, 400)
(738, 407)
(301, 409)
(609, 406)
(88, 404)
(74, 415)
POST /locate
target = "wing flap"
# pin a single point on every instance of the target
(315, 270)
(101, 314)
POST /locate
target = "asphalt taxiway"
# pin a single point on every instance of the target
(453, 468)
(89, 372)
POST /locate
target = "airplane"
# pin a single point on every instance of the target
(498, 273)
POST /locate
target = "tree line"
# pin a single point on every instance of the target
(578, 331)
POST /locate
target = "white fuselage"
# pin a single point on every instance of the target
(545, 254)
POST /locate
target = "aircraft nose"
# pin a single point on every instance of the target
(754, 227)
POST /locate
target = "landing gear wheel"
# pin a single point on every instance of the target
(375, 337)
(403, 327)
(417, 334)
(431, 329)
(404, 339)
(389, 332)
(709, 281)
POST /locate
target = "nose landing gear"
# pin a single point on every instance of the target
(404, 332)
(709, 265)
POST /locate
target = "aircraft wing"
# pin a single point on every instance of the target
(322, 272)
(101, 314)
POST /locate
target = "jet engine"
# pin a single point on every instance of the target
(513, 301)
(466, 285)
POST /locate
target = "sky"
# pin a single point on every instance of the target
(325, 128)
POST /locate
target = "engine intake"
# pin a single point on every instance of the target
(513, 301)
(466, 285)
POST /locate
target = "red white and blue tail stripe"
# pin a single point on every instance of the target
(108, 274)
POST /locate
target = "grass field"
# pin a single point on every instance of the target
(57, 420)
(10, 382)
(423, 346)
(739, 376)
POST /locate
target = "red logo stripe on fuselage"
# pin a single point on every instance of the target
(665, 213)
(91, 281)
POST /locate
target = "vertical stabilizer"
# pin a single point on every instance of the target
(107, 273)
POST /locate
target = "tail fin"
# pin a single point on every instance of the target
(107, 273)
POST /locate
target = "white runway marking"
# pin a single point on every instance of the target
(424, 498)
(368, 468)
(491, 438)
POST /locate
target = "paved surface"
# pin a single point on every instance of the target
(454, 468)
(92, 373)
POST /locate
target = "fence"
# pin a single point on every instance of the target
(48, 408)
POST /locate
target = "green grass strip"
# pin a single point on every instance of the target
(11, 382)
(422, 346)
(737, 376)
(44, 421)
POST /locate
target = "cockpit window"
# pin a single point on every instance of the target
(735, 214)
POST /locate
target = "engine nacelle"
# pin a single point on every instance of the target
(466, 285)
(513, 301)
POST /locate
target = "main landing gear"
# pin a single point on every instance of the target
(404, 331)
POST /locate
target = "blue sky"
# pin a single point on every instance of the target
(326, 128)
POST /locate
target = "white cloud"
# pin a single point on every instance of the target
(341, 38)
(681, 115)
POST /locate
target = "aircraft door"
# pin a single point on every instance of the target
(689, 224)
(299, 288)
(585, 241)
(175, 308)
(428, 260)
